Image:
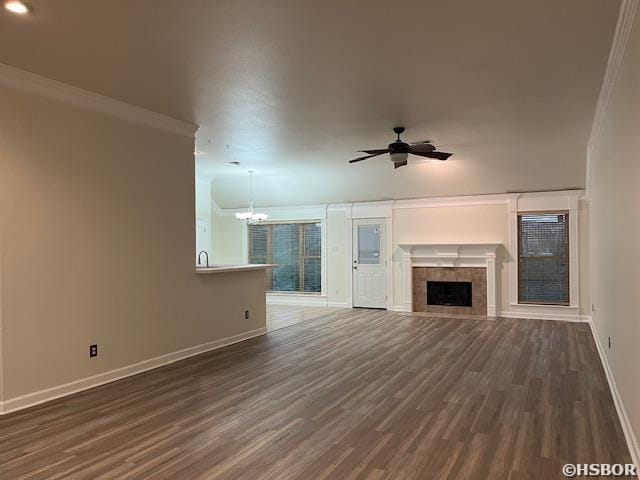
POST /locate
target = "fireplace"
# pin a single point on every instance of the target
(473, 263)
(450, 290)
(449, 294)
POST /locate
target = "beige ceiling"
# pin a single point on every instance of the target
(292, 89)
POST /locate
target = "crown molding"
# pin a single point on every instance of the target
(483, 199)
(617, 53)
(35, 84)
(456, 201)
(284, 214)
(216, 208)
(430, 202)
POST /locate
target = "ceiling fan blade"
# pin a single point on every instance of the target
(376, 152)
(421, 141)
(421, 147)
(359, 159)
(436, 155)
(399, 164)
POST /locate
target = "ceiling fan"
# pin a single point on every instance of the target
(399, 151)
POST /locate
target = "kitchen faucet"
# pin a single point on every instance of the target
(207, 256)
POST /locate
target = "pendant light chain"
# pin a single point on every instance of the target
(250, 217)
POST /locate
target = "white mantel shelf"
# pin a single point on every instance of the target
(449, 255)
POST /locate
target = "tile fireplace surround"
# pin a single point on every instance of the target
(462, 258)
(476, 275)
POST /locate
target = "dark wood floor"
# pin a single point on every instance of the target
(354, 395)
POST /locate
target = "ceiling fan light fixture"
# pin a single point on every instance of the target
(399, 157)
(399, 151)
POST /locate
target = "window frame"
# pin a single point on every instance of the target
(567, 213)
(302, 257)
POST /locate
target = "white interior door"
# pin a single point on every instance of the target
(369, 263)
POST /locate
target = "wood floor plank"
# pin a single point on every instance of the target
(339, 394)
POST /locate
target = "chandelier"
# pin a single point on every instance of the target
(250, 216)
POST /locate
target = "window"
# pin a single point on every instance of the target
(543, 258)
(296, 250)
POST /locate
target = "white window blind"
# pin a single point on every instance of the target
(543, 258)
(295, 248)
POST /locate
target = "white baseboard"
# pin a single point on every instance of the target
(400, 308)
(629, 435)
(564, 317)
(339, 305)
(301, 300)
(59, 391)
(513, 314)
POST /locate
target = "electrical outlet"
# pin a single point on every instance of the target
(246, 314)
(609, 341)
(593, 307)
(93, 350)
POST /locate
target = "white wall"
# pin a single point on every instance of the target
(204, 212)
(456, 224)
(585, 267)
(471, 219)
(615, 224)
(203, 198)
(227, 240)
(337, 251)
(97, 246)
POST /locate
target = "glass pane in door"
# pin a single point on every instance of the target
(369, 244)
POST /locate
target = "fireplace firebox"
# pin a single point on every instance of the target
(452, 294)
